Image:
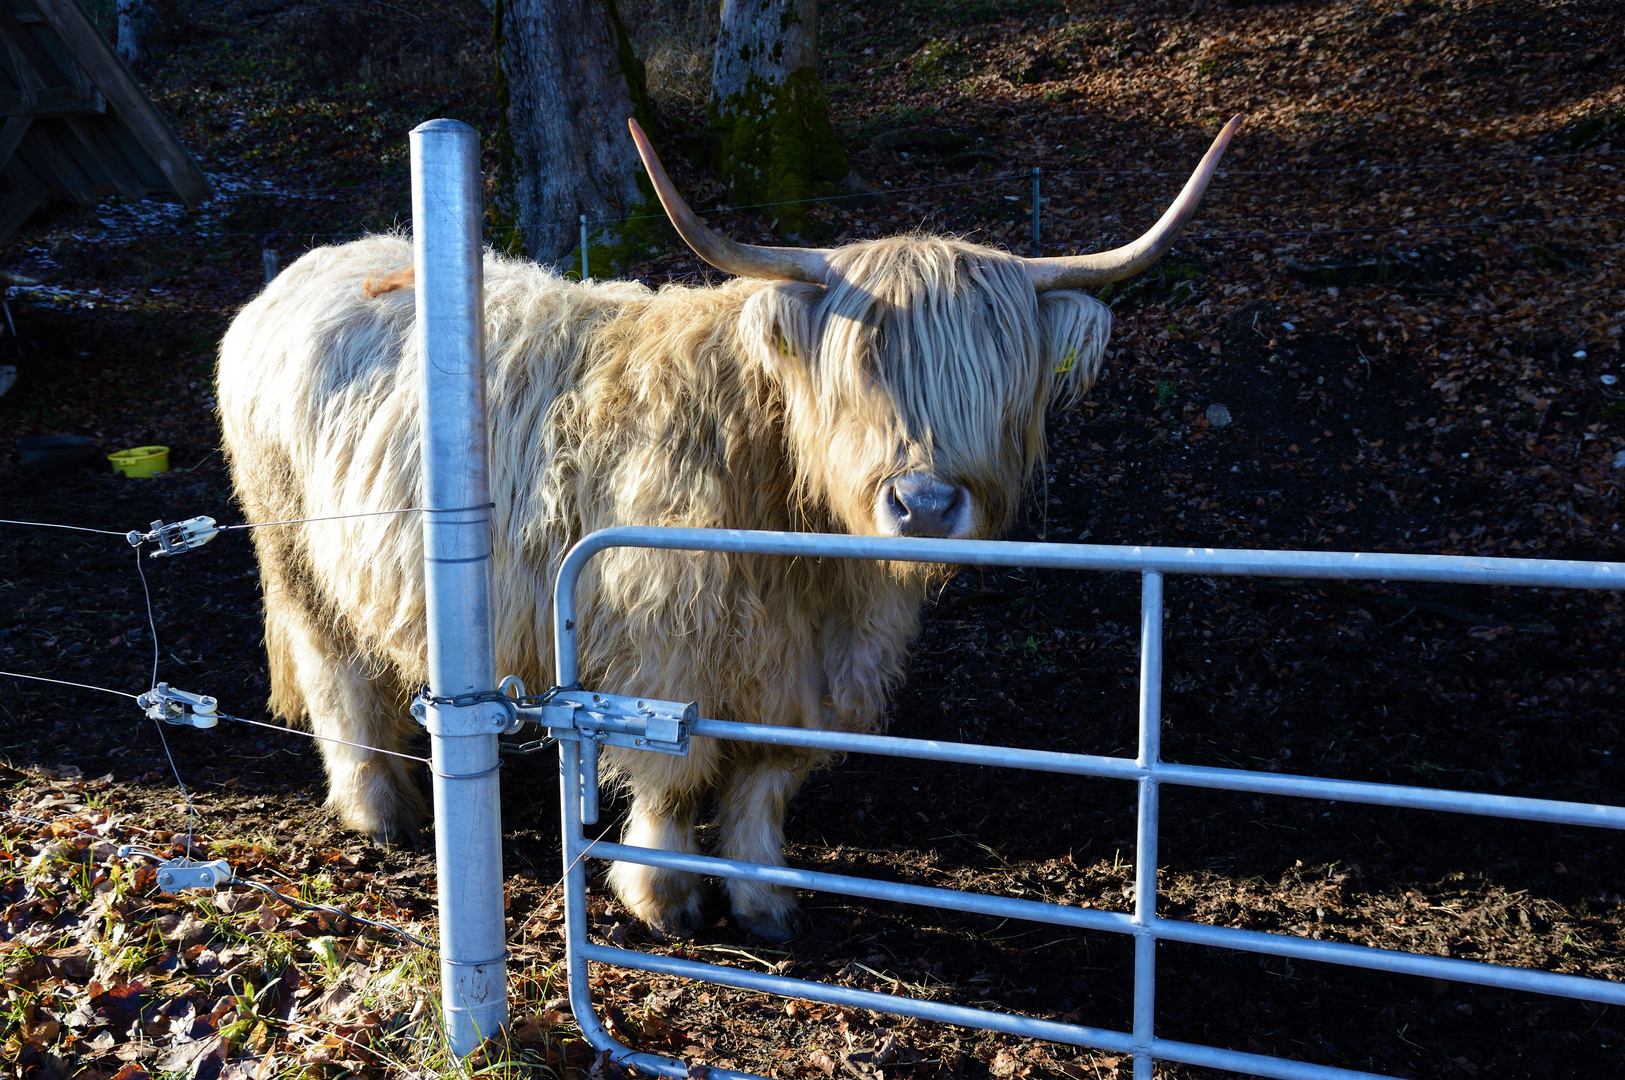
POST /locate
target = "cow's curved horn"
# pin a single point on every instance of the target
(746, 260)
(1078, 271)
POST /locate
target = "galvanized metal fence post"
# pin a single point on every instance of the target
(457, 577)
(583, 247)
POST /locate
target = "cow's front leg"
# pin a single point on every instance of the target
(349, 708)
(669, 901)
(751, 822)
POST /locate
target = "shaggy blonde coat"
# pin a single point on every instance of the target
(758, 405)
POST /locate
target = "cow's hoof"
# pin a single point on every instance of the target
(679, 924)
(779, 926)
(409, 837)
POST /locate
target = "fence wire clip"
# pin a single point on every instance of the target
(178, 707)
(177, 537)
(177, 874)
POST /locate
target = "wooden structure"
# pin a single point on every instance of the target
(75, 121)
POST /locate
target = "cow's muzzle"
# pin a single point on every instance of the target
(918, 504)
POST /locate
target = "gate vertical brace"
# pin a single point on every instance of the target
(1145, 843)
(448, 263)
(573, 841)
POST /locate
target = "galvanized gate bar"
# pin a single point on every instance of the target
(1145, 836)
(844, 742)
(1011, 1024)
(1216, 562)
(1449, 800)
(784, 986)
(998, 907)
(1395, 961)
(1147, 771)
(1368, 957)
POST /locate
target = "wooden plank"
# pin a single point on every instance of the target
(24, 197)
(27, 54)
(42, 154)
(19, 71)
(126, 99)
(52, 101)
(111, 162)
(11, 136)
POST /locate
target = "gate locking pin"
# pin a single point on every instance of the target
(178, 707)
(176, 538)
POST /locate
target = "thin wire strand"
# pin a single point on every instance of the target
(65, 682)
(334, 517)
(323, 738)
(362, 514)
(332, 910)
(152, 621)
(1374, 169)
(191, 813)
(1395, 166)
(152, 625)
(51, 525)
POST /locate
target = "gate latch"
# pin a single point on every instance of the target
(596, 720)
(611, 719)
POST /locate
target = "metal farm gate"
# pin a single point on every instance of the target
(464, 715)
(583, 721)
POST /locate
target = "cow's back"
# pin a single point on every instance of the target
(319, 406)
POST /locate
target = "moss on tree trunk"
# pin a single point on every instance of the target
(768, 119)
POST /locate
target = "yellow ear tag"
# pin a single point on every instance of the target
(1068, 362)
(784, 348)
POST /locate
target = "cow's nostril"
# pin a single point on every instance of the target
(922, 505)
(896, 505)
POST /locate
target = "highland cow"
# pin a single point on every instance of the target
(896, 386)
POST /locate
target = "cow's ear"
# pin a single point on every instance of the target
(1076, 329)
(776, 325)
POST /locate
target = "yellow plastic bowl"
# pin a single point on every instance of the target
(141, 461)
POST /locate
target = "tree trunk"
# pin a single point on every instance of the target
(136, 19)
(768, 118)
(568, 83)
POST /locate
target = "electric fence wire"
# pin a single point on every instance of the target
(1362, 167)
(224, 716)
(1022, 177)
(65, 682)
(325, 738)
(152, 625)
(707, 273)
(234, 879)
(50, 525)
(257, 525)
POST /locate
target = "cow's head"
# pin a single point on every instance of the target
(916, 369)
